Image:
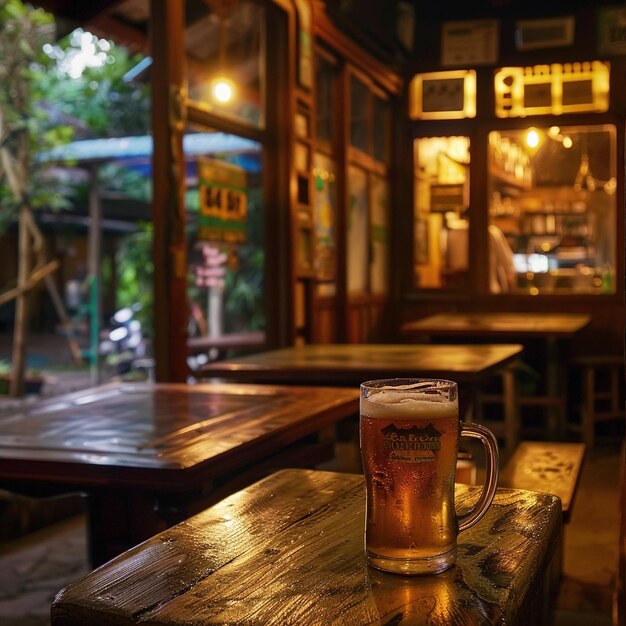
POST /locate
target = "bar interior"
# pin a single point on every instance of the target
(218, 218)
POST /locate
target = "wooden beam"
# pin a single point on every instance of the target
(32, 280)
(168, 179)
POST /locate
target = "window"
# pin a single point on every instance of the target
(441, 224)
(225, 231)
(552, 213)
(225, 60)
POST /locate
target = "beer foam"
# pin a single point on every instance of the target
(389, 404)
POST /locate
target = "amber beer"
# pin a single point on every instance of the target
(409, 442)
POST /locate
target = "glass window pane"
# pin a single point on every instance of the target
(379, 228)
(225, 59)
(381, 129)
(359, 98)
(325, 211)
(358, 241)
(324, 101)
(441, 224)
(552, 210)
(225, 232)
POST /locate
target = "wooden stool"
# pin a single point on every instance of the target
(600, 403)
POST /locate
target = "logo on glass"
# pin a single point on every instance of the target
(412, 444)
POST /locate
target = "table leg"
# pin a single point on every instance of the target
(555, 389)
(511, 408)
(119, 520)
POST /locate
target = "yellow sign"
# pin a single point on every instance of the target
(223, 202)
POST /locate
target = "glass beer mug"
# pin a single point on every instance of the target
(409, 435)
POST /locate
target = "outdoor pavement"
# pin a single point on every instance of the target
(50, 356)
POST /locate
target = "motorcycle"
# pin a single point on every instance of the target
(123, 345)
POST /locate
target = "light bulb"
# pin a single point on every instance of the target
(532, 138)
(222, 90)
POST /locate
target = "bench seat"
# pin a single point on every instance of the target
(549, 467)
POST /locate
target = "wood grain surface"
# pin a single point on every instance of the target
(552, 467)
(356, 363)
(498, 324)
(163, 436)
(289, 551)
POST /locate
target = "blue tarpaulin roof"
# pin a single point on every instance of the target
(117, 148)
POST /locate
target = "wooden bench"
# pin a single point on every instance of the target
(549, 467)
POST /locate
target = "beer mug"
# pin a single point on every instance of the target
(409, 437)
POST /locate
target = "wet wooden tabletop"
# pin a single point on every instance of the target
(289, 551)
(355, 363)
(163, 436)
(498, 324)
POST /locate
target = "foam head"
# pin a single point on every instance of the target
(409, 400)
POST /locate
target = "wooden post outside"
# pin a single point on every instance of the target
(95, 274)
(168, 180)
(20, 331)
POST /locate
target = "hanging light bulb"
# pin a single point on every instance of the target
(222, 90)
(532, 138)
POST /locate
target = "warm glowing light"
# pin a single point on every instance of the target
(567, 142)
(222, 90)
(532, 138)
(511, 85)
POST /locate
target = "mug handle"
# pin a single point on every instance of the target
(476, 431)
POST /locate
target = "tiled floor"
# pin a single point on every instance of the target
(34, 568)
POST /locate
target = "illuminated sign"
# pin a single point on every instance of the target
(552, 89)
(223, 202)
(443, 95)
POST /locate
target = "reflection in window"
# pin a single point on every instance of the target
(324, 100)
(325, 211)
(358, 260)
(381, 129)
(441, 226)
(225, 233)
(552, 210)
(225, 59)
(379, 236)
(359, 118)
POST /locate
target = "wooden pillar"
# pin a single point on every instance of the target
(168, 180)
(20, 332)
(95, 274)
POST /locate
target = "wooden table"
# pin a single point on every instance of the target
(230, 341)
(549, 328)
(289, 550)
(150, 455)
(351, 364)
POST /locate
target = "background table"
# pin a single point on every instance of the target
(289, 550)
(150, 455)
(355, 363)
(499, 325)
(351, 364)
(548, 328)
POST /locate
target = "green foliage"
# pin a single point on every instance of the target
(55, 92)
(24, 126)
(135, 270)
(97, 98)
